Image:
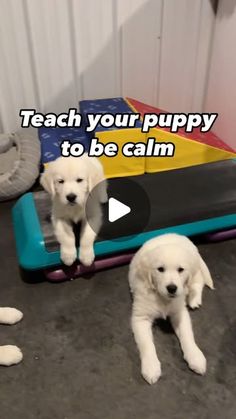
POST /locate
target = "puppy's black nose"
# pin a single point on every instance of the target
(171, 288)
(71, 197)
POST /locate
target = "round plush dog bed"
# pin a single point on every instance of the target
(19, 163)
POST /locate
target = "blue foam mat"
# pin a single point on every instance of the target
(51, 139)
(112, 106)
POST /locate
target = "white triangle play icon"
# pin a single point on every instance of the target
(116, 210)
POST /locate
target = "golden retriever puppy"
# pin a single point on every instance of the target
(164, 274)
(69, 180)
(10, 354)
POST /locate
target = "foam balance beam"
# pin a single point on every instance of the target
(62, 273)
(190, 201)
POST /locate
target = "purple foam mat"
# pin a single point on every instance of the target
(63, 272)
(221, 235)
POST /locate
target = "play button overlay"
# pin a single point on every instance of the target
(126, 212)
(116, 210)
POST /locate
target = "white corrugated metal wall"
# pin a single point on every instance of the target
(55, 52)
(221, 94)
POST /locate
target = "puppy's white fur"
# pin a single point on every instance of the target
(169, 259)
(78, 176)
(10, 354)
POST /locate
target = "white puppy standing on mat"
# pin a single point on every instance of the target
(10, 354)
(69, 180)
(164, 274)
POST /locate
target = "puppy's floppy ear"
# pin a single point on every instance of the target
(147, 273)
(46, 180)
(206, 273)
(150, 281)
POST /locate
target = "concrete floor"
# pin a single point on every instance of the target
(80, 360)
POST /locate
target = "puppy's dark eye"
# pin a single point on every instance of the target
(60, 181)
(79, 180)
(180, 269)
(161, 269)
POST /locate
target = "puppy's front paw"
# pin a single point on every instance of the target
(104, 198)
(9, 315)
(195, 301)
(197, 361)
(68, 256)
(151, 369)
(10, 355)
(86, 255)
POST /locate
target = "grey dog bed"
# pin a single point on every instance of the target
(19, 163)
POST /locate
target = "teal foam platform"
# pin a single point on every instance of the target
(203, 201)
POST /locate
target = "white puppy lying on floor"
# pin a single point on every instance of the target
(69, 180)
(10, 354)
(165, 272)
